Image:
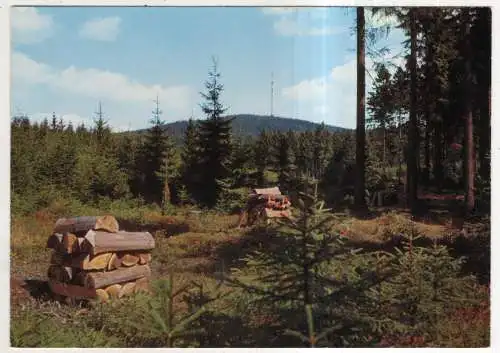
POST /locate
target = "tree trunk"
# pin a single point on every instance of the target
(61, 273)
(470, 164)
(383, 150)
(81, 225)
(55, 242)
(427, 150)
(104, 279)
(99, 242)
(438, 155)
(412, 132)
(485, 139)
(70, 243)
(359, 194)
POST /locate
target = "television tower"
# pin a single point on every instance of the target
(272, 94)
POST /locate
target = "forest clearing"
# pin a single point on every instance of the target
(195, 250)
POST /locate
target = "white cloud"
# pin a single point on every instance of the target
(29, 26)
(278, 10)
(307, 90)
(95, 83)
(293, 27)
(315, 12)
(301, 21)
(332, 98)
(102, 29)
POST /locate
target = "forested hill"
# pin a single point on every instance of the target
(249, 124)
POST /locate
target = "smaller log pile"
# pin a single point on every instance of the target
(266, 203)
(93, 259)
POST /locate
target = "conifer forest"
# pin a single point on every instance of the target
(388, 239)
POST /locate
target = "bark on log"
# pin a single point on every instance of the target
(57, 258)
(55, 242)
(144, 258)
(121, 275)
(69, 290)
(70, 243)
(60, 273)
(79, 278)
(114, 290)
(129, 260)
(127, 289)
(268, 191)
(81, 225)
(98, 242)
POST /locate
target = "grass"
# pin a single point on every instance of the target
(194, 247)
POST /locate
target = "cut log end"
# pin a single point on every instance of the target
(128, 260)
(144, 258)
(127, 289)
(113, 262)
(142, 285)
(81, 225)
(102, 295)
(114, 290)
(107, 223)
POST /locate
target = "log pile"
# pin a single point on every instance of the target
(265, 203)
(92, 258)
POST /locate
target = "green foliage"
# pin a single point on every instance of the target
(98, 175)
(156, 320)
(157, 160)
(215, 141)
(33, 328)
(425, 287)
(393, 225)
(306, 266)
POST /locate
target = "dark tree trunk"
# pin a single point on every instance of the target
(484, 140)
(359, 197)
(484, 80)
(438, 155)
(427, 151)
(470, 162)
(412, 163)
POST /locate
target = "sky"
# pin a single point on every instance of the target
(68, 59)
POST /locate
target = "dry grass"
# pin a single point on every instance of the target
(194, 246)
(380, 228)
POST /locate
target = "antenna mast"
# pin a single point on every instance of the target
(272, 94)
(157, 112)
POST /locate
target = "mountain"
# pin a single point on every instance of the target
(251, 125)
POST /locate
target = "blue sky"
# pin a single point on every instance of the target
(66, 60)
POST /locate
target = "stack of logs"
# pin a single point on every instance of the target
(92, 258)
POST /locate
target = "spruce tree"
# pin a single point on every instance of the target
(262, 156)
(305, 268)
(284, 161)
(215, 140)
(101, 130)
(190, 173)
(157, 154)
